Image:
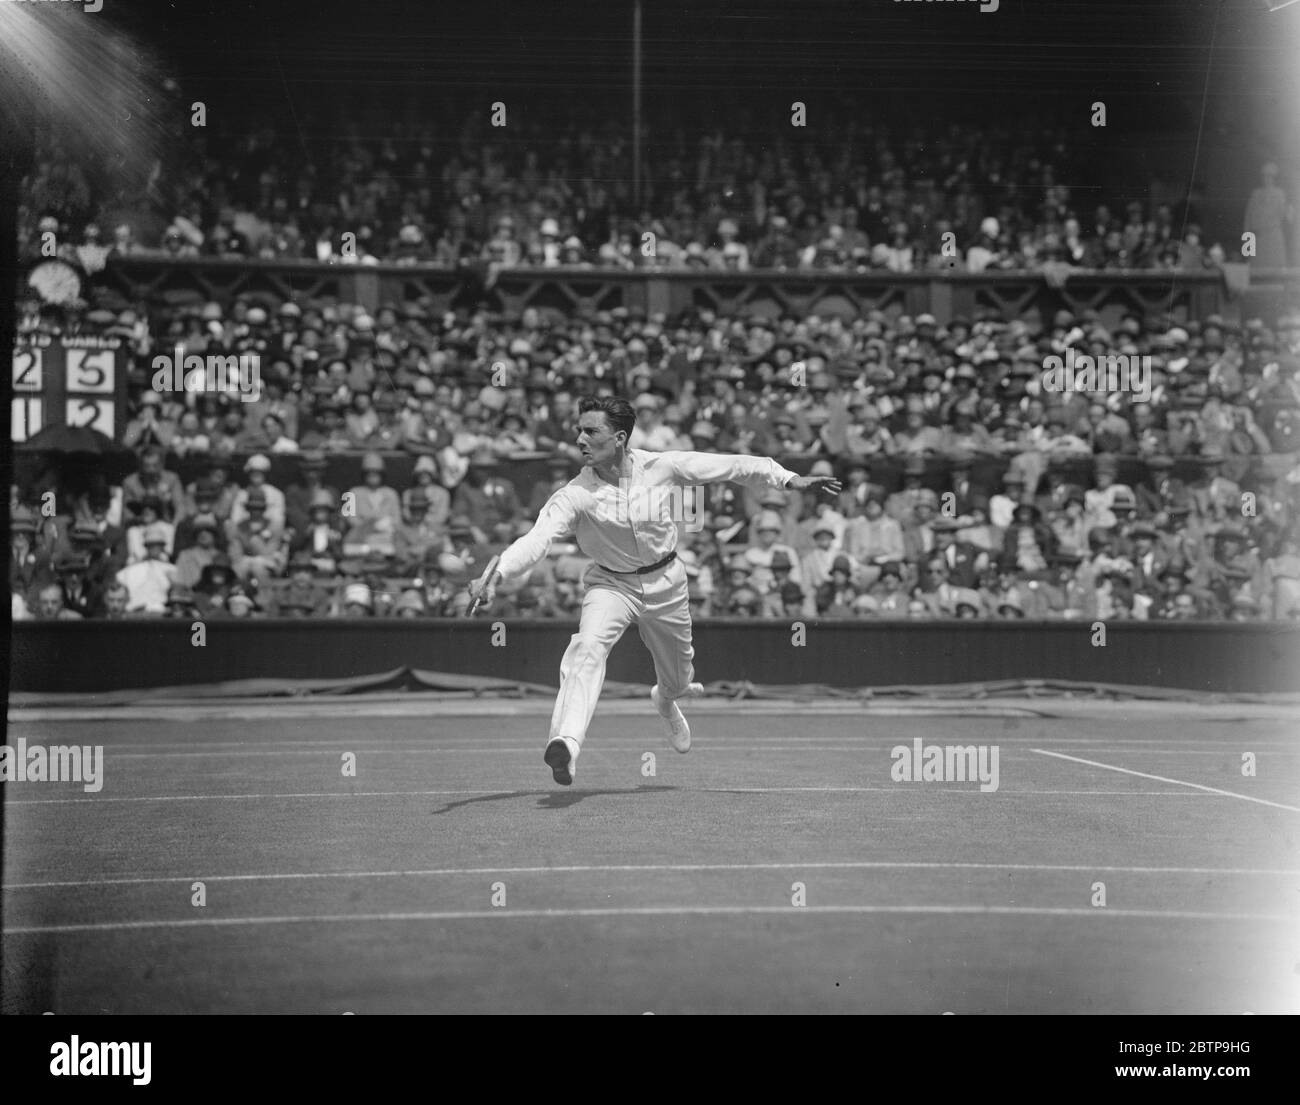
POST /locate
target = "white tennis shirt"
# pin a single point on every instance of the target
(633, 524)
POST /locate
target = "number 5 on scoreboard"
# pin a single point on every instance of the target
(29, 369)
(91, 370)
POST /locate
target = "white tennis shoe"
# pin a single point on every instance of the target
(561, 757)
(679, 732)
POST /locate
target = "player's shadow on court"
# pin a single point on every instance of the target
(554, 799)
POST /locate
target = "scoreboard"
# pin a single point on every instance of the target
(71, 381)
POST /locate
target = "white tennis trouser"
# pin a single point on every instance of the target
(657, 603)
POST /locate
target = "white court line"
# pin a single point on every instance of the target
(896, 788)
(808, 746)
(642, 868)
(652, 911)
(1165, 779)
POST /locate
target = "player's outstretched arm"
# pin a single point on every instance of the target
(558, 516)
(824, 485)
(697, 468)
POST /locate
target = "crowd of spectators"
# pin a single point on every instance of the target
(849, 194)
(971, 490)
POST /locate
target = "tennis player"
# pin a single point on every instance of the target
(619, 509)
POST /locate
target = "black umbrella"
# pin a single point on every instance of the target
(74, 458)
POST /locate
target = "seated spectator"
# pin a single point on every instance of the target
(256, 542)
(1028, 541)
(794, 602)
(777, 599)
(358, 602)
(724, 601)
(152, 480)
(1217, 497)
(963, 436)
(917, 439)
(1230, 566)
(274, 439)
(487, 499)
(207, 546)
(937, 590)
(514, 437)
(149, 580)
(389, 434)
(232, 434)
(437, 497)
(964, 492)
(376, 510)
(1282, 579)
(415, 537)
(891, 597)
(975, 529)
(103, 560)
(1097, 501)
(49, 605)
(116, 600)
(857, 489)
(189, 438)
(212, 493)
(787, 440)
(1065, 595)
(874, 538)
(901, 505)
(965, 563)
(1173, 602)
(836, 596)
(817, 562)
(149, 512)
(651, 432)
(29, 565)
(80, 596)
(361, 422)
(181, 603)
(327, 433)
(214, 586)
(241, 604)
(1070, 526)
(1010, 609)
(257, 471)
(410, 604)
(299, 496)
(468, 553)
(438, 593)
(918, 534)
(149, 427)
(765, 546)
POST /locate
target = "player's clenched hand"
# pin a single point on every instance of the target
(484, 589)
(823, 485)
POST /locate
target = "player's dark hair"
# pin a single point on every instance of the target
(621, 414)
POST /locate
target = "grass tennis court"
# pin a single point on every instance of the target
(671, 892)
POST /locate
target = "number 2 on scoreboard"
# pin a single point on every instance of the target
(29, 369)
(93, 414)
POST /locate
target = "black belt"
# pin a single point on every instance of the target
(642, 571)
